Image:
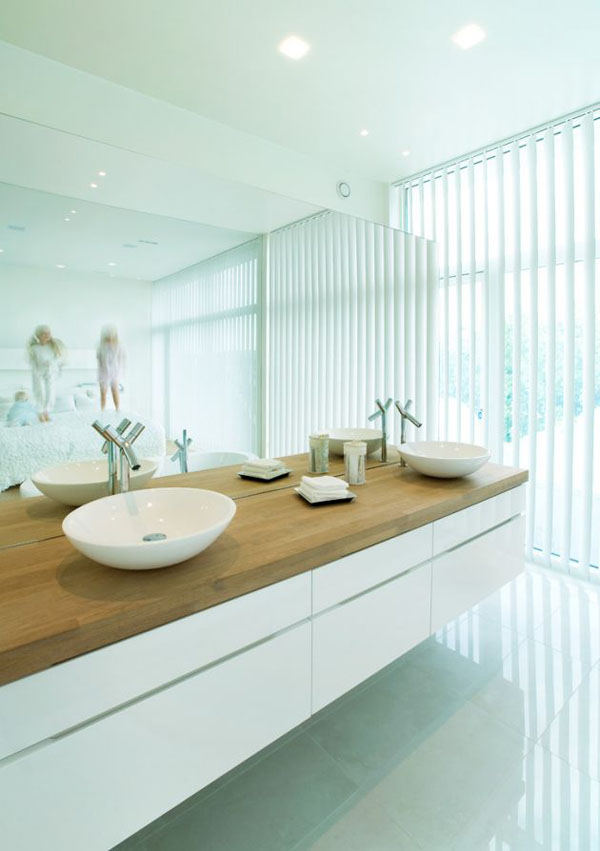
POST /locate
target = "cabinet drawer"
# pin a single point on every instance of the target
(96, 786)
(463, 525)
(360, 571)
(46, 703)
(469, 573)
(356, 639)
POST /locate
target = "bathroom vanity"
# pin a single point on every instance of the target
(125, 693)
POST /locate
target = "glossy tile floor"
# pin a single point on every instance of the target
(486, 736)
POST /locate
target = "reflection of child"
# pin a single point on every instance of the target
(22, 412)
(111, 361)
(46, 355)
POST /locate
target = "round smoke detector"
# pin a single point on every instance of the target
(343, 189)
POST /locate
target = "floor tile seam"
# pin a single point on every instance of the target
(571, 765)
(504, 725)
(590, 662)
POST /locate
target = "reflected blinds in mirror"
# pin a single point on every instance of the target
(350, 317)
(205, 350)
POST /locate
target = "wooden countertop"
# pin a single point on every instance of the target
(56, 604)
(23, 521)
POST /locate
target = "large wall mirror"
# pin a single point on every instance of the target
(135, 288)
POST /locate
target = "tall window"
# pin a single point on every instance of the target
(206, 350)
(518, 228)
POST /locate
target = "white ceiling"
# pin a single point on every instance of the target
(33, 232)
(385, 65)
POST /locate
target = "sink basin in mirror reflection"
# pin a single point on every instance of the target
(146, 529)
(339, 436)
(79, 482)
(444, 459)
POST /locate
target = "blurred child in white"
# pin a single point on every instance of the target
(111, 363)
(46, 356)
(22, 412)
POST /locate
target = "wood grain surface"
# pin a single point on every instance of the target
(56, 604)
(23, 521)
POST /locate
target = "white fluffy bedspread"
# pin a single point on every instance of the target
(68, 437)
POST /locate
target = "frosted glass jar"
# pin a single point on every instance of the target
(355, 456)
(318, 453)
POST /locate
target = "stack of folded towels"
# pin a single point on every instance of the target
(264, 468)
(323, 488)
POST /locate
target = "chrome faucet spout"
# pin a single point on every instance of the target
(405, 415)
(182, 451)
(382, 412)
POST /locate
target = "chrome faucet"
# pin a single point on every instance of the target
(128, 460)
(405, 415)
(382, 412)
(110, 450)
(182, 452)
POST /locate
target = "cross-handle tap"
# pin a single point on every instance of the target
(121, 429)
(128, 458)
(404, 416)
(182, 451)
(382, 412)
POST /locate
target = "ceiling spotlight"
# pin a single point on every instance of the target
(468, 36)
(364, 132)
(405, 152)
(73, 212)
(1, 251)
(94, 185)
(112, 264)
(101, 174)
(293, 47)
(67, 219)
(60, 266)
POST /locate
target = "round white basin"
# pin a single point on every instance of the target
(444, 460)
(79, 482)
(339, 436)
(144, 529)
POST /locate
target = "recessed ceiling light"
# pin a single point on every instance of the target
(101, 174)
(468, 36)
(294, 47)
(112, 264)
(406, 152)
(67, 219)
(60, 266)
(364, 132)
(94, 185)
(1, 251)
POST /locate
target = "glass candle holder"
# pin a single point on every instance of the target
(355, 457)
(318, 454)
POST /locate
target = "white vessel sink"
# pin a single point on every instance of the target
(338, 436)
(79, 482)
(444, 460)
(145, 529)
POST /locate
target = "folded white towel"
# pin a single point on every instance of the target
(322, 484)
(322, 495)
(264, 465)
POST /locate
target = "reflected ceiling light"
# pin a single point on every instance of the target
(101, 174)
(60, 266)
(94, 185)
(406, 152)
(468, 36)
(364, 132)
(293, 47)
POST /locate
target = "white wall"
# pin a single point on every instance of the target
(76, 305)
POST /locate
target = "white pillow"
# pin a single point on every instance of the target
(84, 402)
(64, 404)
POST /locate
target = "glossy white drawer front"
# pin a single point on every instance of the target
(360, 571)
(44, 704)
(466, 524)
(358, 638)
(470, 572)
(90, 790)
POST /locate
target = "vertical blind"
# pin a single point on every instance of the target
(350, 317)
(518, 227)
(206, 350)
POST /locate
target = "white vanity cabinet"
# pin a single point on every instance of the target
(95, 748)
